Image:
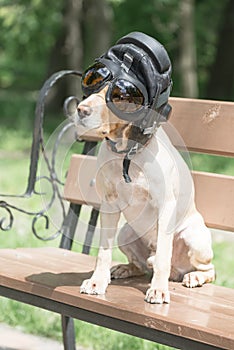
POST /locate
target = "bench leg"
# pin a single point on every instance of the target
(69, 227)
(90, 231)
(68, 231)
(69, 341)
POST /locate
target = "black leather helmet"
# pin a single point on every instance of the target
(143, 62)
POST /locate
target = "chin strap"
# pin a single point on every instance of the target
(126, 164)
(129, 154)
(127, 160)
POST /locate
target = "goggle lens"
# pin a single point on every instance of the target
(123, 94)
(95, 76)
(126, 96)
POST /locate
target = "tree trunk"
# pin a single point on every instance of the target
(187, 44)
(67, 53)
(221, 81)
(97, 32)
(85, 34)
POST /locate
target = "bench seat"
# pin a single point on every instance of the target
(200, 318)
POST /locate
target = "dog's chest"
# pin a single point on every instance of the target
(116, 191)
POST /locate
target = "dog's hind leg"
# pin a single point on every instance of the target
(204, 269)
(137, 252)
(200, 254)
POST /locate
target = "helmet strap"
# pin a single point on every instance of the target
(153, 119)
(127, 62)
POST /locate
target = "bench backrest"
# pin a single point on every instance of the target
(205, 127)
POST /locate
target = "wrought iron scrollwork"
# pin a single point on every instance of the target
(38, 148)
(10, 218)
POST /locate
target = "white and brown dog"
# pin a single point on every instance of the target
(163, 229)
(163, 232)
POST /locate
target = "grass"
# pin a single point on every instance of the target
(213, 164)
(14, 164)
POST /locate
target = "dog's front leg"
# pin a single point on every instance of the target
(158, 292)
(100, 279)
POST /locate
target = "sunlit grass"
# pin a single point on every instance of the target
(213, 164)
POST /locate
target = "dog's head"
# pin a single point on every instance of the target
(93, 113)
(124, 85)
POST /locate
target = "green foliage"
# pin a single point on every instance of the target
(224, 263)
(16, 120)
(157, 18)
(28, 30)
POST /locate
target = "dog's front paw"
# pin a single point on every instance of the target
(154, 296)
(94, 286)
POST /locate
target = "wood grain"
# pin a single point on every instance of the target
(203, 314)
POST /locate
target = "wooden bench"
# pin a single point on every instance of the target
(200, 318)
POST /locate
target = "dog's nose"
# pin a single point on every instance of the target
(84, 111)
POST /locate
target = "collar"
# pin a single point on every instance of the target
(133, 147)
(131, 150)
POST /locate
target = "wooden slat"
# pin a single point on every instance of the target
(202, 125)
(214, 193)
(203, 314)
(80, 182)
(215, 199)
(205, 126)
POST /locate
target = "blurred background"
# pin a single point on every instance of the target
(38, 38)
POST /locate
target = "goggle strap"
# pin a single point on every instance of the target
(163, 98)
(127, 62)
(159, 100)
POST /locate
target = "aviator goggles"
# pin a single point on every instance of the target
(126, 96)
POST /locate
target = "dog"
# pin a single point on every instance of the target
(164, 232)
(140, 174)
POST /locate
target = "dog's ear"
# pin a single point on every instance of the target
(135, 134)
(125, 136)
(120, 133)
